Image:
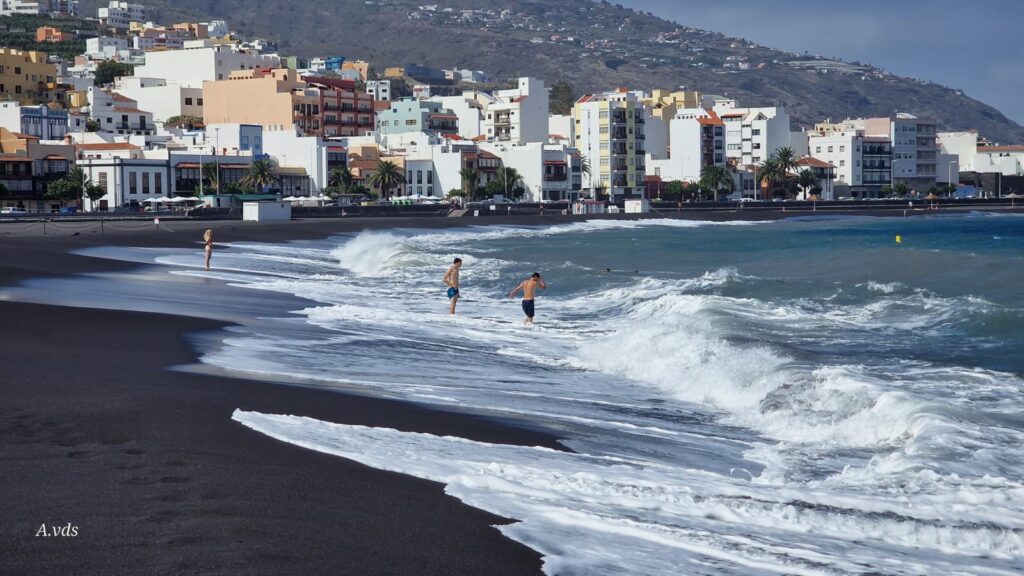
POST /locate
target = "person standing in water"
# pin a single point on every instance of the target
(529, 288)
(208, 239)
(451, 279)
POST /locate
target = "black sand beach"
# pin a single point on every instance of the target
(158, 479)
(147, 464)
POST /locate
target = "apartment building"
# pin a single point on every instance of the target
(25, 75)
(39, 121)
(279, 99)
(379, 90)
(202, 61)
(27, 167)
(120, 15)
(752, 135)
(914, 148)
(610, 134)
(698, 137)
(517, 115)
(412, 115)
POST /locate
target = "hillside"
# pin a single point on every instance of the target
(592, 46)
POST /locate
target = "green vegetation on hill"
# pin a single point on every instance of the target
(19, 31)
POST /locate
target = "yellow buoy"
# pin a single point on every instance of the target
(899, 239)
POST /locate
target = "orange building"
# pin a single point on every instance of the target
(51, 34)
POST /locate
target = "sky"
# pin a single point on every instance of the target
(973, 46)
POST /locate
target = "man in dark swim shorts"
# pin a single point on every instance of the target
(529, 288)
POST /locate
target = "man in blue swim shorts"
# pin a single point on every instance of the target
(451, 279)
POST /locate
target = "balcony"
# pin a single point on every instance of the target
(620, 167)
(639, 136)
(619, 150)
(620, 181)
(619, 118)
(619, 134)
(556, 177)
(639, 118)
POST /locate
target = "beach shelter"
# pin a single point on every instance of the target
(156, 200)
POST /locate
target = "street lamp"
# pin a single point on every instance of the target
(216, 157)
(949, 178)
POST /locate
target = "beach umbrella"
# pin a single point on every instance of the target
(155, 200)
(1012, 195)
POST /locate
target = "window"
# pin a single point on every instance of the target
(245, 142)
(133, 184)
(409, 122)
(842, 148)
(199, 101)
(842, 163)
(17, 89)
(102, 181)
(145, 182)
(430, 176)
(17, 69)
(830, 149)
(158, 184)
(188, 101)
(817, 150)
(756, 132)
(419, 177)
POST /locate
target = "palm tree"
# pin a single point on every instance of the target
(509, 178)
(716, 179)
(210, 174)
(262, 174)
(807, 180)
(786, 158)
(387, 175)
(470, 177)
(585, 169)
(341, 178)
(769, 173)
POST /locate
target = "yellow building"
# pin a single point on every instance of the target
(24, 74)
(664, 104)
(362, 66)
(394, 72)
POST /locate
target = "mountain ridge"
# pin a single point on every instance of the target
(594, 46)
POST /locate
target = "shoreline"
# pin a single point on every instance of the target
(146, 462)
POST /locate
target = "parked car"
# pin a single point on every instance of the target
(13, 210)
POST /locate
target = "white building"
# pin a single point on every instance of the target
(469, 111)
(549, 171)
(915, 151)
(201, 60)
(39, 7)
(217, 28)
(698, 141)
(307, 152)
(120, 15)
(161, 99)
(379, 89)
(104, 47)
(118, 114)
(123, 171)
(518, 115)
(752, 135)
